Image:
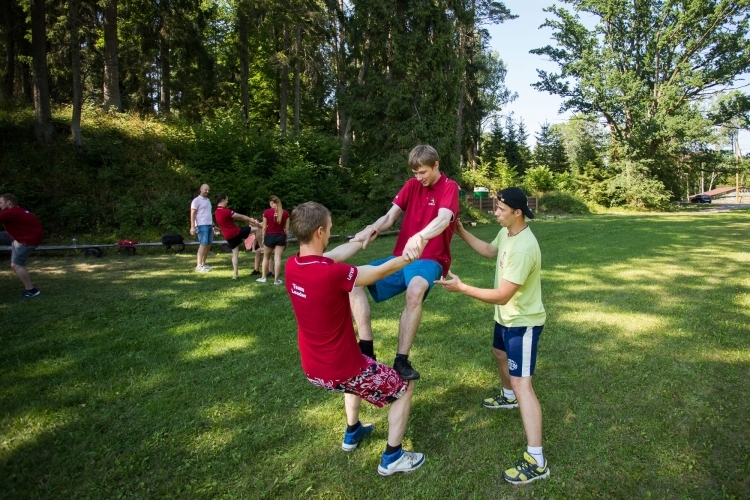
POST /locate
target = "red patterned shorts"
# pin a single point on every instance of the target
(377, 384)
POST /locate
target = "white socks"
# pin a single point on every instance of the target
(536, 452)
(509, 394)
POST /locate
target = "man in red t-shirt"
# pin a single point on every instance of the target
(430, 205)
(23, 233)
(319, 286)
(232, 233)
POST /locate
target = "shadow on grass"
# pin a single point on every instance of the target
(140, 378)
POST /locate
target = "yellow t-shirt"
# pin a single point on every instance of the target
(519, 261)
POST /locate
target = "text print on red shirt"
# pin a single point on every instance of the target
(298, 290)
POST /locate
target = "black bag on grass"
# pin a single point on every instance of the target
(172, 239)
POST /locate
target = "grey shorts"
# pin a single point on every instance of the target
(19, 253)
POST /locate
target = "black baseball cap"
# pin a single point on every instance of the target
(515, 198)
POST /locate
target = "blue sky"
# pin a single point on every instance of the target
(513, 40)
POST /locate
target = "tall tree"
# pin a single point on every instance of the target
(75, 53)
(111, 66)
(643, 66)
(42, 110)
(549, 150)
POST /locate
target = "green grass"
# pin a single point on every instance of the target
(135, 377)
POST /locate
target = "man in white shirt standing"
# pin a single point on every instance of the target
(201, 222)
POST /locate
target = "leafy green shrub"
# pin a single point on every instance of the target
(562, 203)
(539, 179)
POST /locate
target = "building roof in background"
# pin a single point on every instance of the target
(724, 190)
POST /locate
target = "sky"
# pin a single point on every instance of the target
(513, 40)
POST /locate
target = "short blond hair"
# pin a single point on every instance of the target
(307, 218)
(423, 155)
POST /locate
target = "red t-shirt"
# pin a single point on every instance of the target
(421, 205)
(319, 289)
(273, 227)
(225, 221)
(22, 226)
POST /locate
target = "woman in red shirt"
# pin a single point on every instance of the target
(275, 234)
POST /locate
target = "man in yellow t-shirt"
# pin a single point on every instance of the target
(519, 320)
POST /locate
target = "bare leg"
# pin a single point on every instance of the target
(361, 312)
(202, 254)
(23, 275)
(502, 367)
(351, 405)
(236, 260)
(266, 253)
(277, 262)
(258, 261)
(531, 410)
(412, 315)
(398, 416)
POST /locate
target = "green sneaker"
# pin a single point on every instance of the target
(500, 402)
(525, 471)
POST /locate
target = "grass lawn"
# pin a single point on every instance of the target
(135, 377)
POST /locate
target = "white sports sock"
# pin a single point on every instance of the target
(536, 452)
(509, 394)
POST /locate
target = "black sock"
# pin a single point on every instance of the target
(390, 450)
(367, 348)
(403, 357)
(352, 428)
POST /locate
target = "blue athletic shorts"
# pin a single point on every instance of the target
(396, 283)
(519, 343)
(205, 234)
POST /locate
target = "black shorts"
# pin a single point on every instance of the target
(274, 240)
(235, 242)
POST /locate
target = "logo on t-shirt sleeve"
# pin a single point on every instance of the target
(351, 273)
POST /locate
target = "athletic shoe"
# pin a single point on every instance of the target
(352, 439)
(270, 274)
(206, 266)
(525, 471)
(500, 402)
(404, 368)
(254, 272)
(203, 269)
(30, 293)
(278, 282)
(401, 461)
(261, 280)
(236, 276)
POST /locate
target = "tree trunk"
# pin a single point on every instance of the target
(284, 94)
(111, 71)
(297, 80)
(165, 98)
(242, 22)
(460, 106)
(10, 51)
(42, 111)
(75, 52)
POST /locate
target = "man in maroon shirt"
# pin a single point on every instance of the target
(430, 205)
(319, 285)
(23, 232)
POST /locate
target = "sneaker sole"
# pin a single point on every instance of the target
(385, 472)
(506, 407)
(543, 476)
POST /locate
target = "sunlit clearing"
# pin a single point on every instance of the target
(212, 441)
(226, 413)
(218, 346)
(628, 323)
(31, 427)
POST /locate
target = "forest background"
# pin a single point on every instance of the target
(113, 112)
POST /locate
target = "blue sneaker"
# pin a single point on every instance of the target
(401, 461)
(352, 439)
